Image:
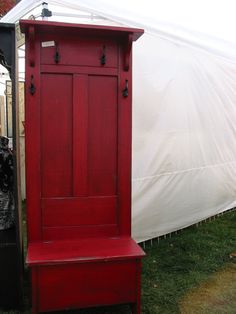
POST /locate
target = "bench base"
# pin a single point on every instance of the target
(87, 281)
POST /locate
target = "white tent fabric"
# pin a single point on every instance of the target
(184, 145)
(184, 107)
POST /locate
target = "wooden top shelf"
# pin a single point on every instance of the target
(45, 26)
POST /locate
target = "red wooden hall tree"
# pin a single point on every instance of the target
(78, 153)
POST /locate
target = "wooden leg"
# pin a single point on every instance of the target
(34, 310)
(34, 283)
(135, 308)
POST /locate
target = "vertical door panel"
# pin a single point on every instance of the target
(102, 136)
(56, 135)
(80, 135)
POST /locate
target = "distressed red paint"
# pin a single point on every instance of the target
(78, 166)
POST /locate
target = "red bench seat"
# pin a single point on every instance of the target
(85, 273)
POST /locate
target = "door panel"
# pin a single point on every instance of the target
(56, 140)
(102, 139)
(80, 135)
(83, 210)
(79, 154)
(81, 52)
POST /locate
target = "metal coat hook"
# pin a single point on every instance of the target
(103, 57)
(32, 88)
(56, 55)
(126, 89)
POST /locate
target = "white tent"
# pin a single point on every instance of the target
(184, 105)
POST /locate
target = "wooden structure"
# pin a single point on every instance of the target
(11, 252)
(78, 166)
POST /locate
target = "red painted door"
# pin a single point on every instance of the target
(79, 149)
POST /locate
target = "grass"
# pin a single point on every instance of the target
(216, 295)
(188, 261)
(189, 273)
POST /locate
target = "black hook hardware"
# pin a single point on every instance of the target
(32, 87)
(126, 90)
(56, 55)
(103, 57)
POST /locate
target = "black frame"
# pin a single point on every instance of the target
(11, 243)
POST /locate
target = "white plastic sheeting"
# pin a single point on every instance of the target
(184, 144)
(184, 108)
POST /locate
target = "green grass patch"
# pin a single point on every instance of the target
(189, 273)
(186, 261)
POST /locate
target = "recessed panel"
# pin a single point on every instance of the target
(56, 135)
(102, 137)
